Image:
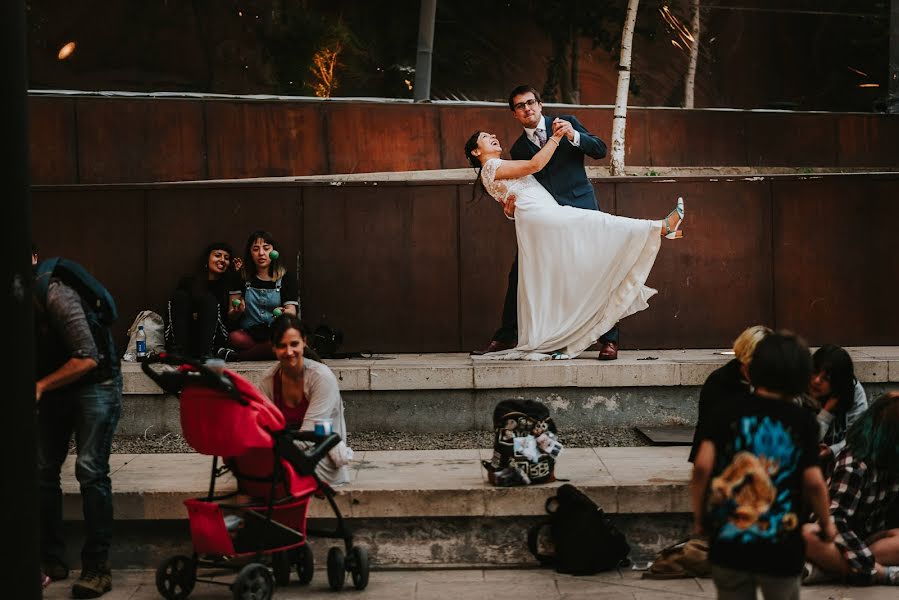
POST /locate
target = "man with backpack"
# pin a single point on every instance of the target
(78, 391)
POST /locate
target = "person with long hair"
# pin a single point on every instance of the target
(580, 271)
(306, 391)
(838, 393)
(863, 489)
(269, 289)
(197, 309)
(565, 178)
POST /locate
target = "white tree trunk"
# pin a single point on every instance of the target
(624, 80)
(690, 80)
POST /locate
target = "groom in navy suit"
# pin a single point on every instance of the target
(565, 178)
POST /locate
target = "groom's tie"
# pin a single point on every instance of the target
(541, 136)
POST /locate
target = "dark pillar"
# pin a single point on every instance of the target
(422, 90)
(893, 84)
(17, 444)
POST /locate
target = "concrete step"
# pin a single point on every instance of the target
(412, 507)
(411, 392)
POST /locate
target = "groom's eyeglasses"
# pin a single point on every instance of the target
(520, 106)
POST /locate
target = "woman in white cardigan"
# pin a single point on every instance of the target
(306, 391)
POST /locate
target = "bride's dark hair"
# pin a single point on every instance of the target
(473, 160)
(470, 145)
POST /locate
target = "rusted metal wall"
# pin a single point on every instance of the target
(836, 268)
(422, 266)
(117, 140)
(265, 139)
(139, 140)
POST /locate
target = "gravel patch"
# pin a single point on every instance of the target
(397, 440)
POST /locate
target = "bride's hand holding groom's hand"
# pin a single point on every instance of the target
(563, 128)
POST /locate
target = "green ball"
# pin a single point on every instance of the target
(277, 312)
(274, 254)
(235, 303)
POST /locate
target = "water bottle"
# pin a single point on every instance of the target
(141, 343)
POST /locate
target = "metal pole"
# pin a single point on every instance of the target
(426, 18)
(18, 445)
(893, 84)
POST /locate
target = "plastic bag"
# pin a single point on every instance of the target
(154, 328)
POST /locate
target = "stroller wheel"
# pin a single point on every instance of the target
(176, 577)
(305, 564)
(358, 566)
(281, 568)
(336, 569)
(254, 582)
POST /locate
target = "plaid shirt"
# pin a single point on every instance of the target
(860, 497)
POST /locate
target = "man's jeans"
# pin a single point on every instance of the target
(91, 412)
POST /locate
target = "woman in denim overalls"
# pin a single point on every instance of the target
(267, 288)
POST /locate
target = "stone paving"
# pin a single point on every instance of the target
(475, 584)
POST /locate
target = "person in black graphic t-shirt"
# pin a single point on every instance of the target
(756, 469)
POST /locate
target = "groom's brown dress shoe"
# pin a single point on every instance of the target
(608, 351)
(493, 346)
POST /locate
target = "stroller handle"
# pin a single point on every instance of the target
(173, 381)
(304, 460)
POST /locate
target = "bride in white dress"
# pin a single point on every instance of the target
(579, 271)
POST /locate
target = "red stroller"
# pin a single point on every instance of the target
(223, 415)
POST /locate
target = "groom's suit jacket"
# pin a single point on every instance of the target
(564, 176)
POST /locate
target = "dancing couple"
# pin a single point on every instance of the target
(578, 271)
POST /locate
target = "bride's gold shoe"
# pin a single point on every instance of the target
(676, 233)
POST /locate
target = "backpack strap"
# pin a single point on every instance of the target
(42, 277)
(551, 506)
(545, 560)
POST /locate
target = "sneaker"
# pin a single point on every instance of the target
(92, 583)
(56, 570)
(891, 575)
(226, 354)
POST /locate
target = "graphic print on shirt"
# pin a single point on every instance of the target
(750, 498)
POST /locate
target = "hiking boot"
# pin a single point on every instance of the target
(93, 583)
(56, 570)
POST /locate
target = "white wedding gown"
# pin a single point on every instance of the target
(579, 271)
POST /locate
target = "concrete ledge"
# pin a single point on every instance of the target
(634, 368)
(411, 392)
(427, 483)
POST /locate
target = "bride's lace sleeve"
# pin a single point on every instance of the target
(495, 188)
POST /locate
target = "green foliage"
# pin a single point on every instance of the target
(565, 22)
(291, 34)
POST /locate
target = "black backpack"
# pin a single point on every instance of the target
(516, 419)
(585, 540)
